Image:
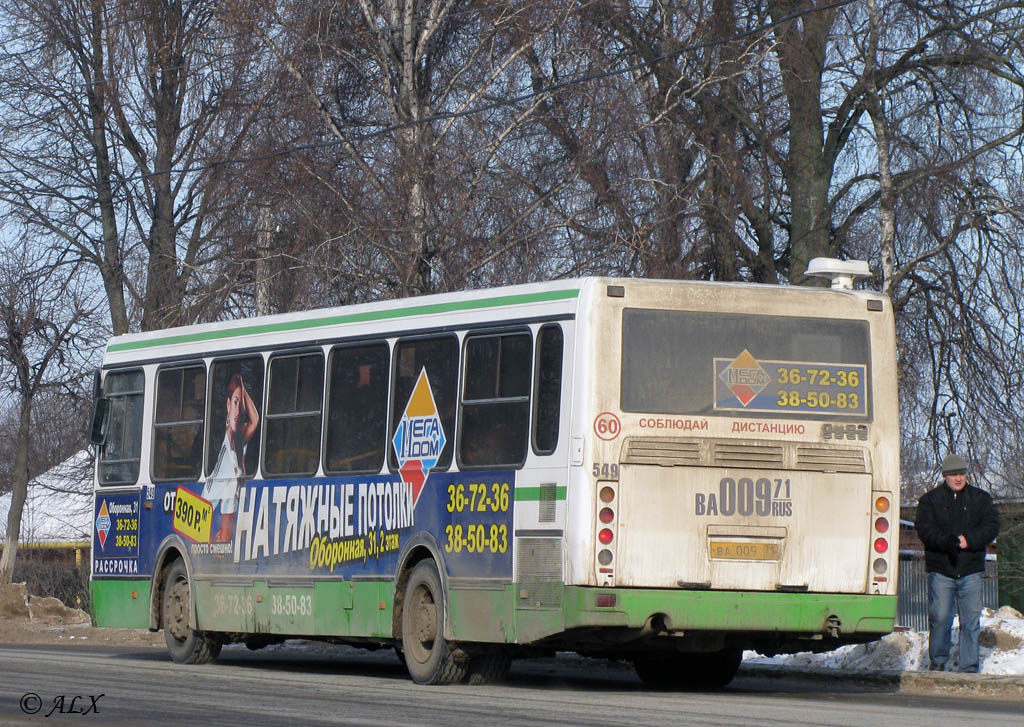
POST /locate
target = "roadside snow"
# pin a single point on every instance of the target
(1002, 649)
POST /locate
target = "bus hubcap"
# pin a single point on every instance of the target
(424, 623)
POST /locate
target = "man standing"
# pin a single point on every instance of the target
(956, 522)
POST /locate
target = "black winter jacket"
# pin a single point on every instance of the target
(942, 516)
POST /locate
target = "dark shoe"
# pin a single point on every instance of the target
(936, 666)
(969, 670)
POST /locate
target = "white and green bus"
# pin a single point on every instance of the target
(667, 472)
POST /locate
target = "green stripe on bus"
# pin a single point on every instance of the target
(299, 325)
(117, 603)
(532, 494)
(750, 611)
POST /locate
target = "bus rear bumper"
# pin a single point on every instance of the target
(831, 614)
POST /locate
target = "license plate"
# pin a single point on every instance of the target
(732, 550)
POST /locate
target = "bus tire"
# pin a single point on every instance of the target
(717, 668)
(428, 656)
(490, 666)
(658, 670)
(711, 670)
(185, 645)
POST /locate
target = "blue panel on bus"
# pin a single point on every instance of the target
(116, 534)
(343, 526)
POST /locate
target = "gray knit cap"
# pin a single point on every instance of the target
(954, 464)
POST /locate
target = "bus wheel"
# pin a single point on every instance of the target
(185, 645)
(427, 655)
(658, 670)
(711, 670)
(491, 666)
(716, 669)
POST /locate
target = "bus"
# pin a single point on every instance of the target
(662, 472)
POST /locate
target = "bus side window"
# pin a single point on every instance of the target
(547, 389)
(357, 409)
(178, 424)
(294, 401)
(228, 378)
(495, 401)
(119, 457)
(439, 357)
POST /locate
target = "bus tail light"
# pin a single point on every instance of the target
(881, 522)
(606, 515)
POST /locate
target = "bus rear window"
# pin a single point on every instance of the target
(680, 362)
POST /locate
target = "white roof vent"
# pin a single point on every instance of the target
(841, 272)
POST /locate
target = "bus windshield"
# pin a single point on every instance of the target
(683, 362)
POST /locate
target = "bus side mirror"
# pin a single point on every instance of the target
(100, 412)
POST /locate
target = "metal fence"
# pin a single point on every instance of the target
(912, 609)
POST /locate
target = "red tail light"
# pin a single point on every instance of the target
(605, 536)
(881, 545)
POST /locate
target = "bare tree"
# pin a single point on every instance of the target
(46, 338)
(117, 118)
(58, 431)
(407, 190)
(945, 92)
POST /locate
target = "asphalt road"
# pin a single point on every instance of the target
(337, 686)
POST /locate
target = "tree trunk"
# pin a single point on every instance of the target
(19, 493)
(264, 240)
(165, 285)
(875, 103)
(801, 53)
(110, 264)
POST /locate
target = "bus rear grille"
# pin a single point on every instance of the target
(830, 459)
(745, 454)
(760, 456)
(666, 452)
(539, 572)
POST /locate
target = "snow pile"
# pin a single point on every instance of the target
(1002, 649)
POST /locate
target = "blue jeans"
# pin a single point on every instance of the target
(942, 591)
